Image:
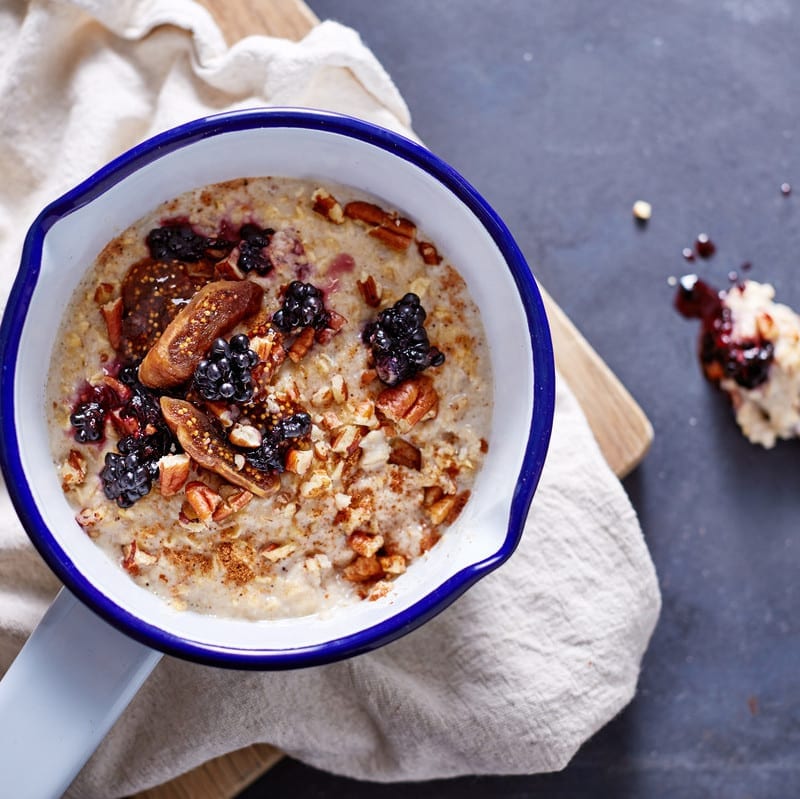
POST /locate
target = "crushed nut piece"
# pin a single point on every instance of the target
(410, 402)
(364, 543)
(325, 204)
(73, 470)
(302, 344)
(233, 501)
(112, 313)
(203, 499)
(88, 518)
(339, 389)
(245, 435)
(279, 553)
(404, 453)
(316, 485)
(375, 450)
(370, 291)
(393, 564)
(173, 471)
(362, 569)
(430, 255)
(298, 461)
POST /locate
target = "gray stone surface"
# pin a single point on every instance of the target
(562, 114)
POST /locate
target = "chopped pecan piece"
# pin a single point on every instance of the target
(430, 255)
(232, 502)
(325, 204)
(339, 389)
(391, 238)
(362, 569)
(317, 484)
(298, 461)
(404, 453)
(393, 564)
(173, 473)
(212, 311)
(447, 509)
(346, 439)
(369, 291)
(228, 268)
(203, 499)
(411, 401)
(302, 344)
(112, 313)
(134, 559)
(88, 518)
(245, 436)
(201, 440)
(431, 494)
(73, 470)
(364, 543)
(104, 293)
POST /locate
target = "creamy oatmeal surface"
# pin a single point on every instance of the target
(251, 411)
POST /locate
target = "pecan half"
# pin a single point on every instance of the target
(411, 401)
(393, 230)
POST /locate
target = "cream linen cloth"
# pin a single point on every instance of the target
(510, 679)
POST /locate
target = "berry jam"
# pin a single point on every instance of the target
(746, 361)
(704, 247)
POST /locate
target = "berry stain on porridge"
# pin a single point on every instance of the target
(269, 398)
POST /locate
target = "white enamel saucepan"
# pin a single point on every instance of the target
(104, 634)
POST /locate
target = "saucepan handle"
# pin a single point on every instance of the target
(68, 685)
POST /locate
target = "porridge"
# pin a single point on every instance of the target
(269, 398)
(749, 347)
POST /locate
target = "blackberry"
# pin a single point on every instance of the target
(295, 426)
(303, 306)
(399, 341)
(88, 419)
(126, 478)
(270, 455)
(251, 249)
(225, 372)
(178, 242)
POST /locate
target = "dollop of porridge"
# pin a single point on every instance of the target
(750, 347)
(269, 398)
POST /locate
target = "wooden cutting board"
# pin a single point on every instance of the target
(618, 423)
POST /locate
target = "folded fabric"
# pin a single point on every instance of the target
(515, 675)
